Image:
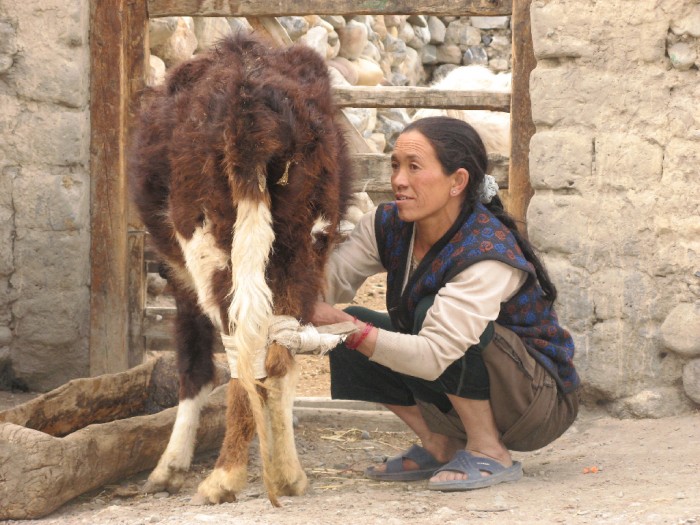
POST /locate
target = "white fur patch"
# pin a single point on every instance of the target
(203, 258)
(178, 454)
(320, 227)
(251, 303)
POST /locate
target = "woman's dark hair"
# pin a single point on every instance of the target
(458, 145)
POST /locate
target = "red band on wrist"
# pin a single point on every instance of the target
(356, 341)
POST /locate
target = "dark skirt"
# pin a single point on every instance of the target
(529, 409)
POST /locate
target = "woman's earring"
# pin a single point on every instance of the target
(453, 192)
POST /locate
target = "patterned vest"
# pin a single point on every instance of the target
(476, 237)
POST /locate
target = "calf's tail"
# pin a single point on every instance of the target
(251, 309)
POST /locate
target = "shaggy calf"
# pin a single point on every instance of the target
(241, 176)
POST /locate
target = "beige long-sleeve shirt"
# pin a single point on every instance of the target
(461, 311)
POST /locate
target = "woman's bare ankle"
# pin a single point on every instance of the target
(442, 447)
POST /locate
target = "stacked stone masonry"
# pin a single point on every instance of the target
(44, 192)
(616, 210)
(613, 164)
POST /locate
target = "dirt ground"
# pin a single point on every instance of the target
(646, 471)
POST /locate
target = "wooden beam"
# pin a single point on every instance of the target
(418, 97)
(522, 128)
(136, 59)
(373, 172)
(157, 8)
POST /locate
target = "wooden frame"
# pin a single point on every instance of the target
(119, 51)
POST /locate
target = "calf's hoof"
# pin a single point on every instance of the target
(294, 487)
(170, 481)
(221, 486)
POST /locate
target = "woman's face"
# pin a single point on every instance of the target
(421, 188)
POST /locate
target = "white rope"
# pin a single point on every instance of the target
(305, 339)
(297, 338)
(232, 356)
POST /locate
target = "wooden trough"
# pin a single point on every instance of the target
(95, 431)
(91, 432)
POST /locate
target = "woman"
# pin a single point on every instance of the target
(470, 354)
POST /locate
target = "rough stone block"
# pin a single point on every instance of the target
(550, 225)
(627, 162)
(51, 261)
(353, 39)
(691, 380)
(428, 54)
(7, 296)
(43, 367)
(624, 296)
(491, 22)
(561, 29)
(462, 34)
(687, 23)
(613, 363)
(683, 56)
(209, 30)
(5, 335)
(53, 319)
(7, 226)
(10, 110)
(54, 65)
(437, 29)
(637, 32)
(49, 75)
(652, 403)
(561, 160)
(7, 232)
(59, 200)
(680, 167)
(449, 54)
(317, 39)
(52, 135)
(574, 304)
(55, 21)
(8, 45)
(681, 330)
(594, 97)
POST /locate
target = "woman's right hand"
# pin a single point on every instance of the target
(324, 313)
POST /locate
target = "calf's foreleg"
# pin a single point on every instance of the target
(196, 371)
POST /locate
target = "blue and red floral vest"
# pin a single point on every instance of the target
(479, 237)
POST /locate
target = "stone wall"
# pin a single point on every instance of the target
(614, 164)
(44, 192)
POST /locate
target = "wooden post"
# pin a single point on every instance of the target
(136, 61)
(113, 39)
(522, 128)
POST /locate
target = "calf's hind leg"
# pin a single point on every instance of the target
(230, 473)
(283, 374)
(194, 334)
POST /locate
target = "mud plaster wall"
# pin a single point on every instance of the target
(615, 166)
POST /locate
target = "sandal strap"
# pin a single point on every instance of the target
(416, 453)
(471, 465)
